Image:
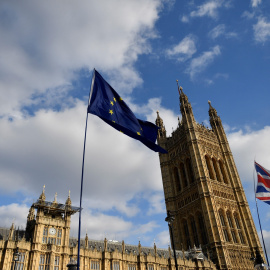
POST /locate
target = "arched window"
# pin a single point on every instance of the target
(190, 171)
(177, 179)
(216, 169)
(202, 229)
(223, 224)
(209, 167)
(183, 175)
(186, 231)
(194, 231)
(223, 171)
(239, 229)
(231, 227)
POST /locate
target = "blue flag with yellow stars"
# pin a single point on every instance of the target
(111, 108)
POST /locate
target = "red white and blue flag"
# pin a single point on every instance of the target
(263, 186)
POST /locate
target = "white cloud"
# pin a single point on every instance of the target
(209, 9)
(48, 151)
(96, 226)
(150, 111)
(255, 3)
(157, 204)
(200, 63)
(184, 49)
(248, 15)
(220, 30)
(185, 19)
(261, 30)
(13, 213)
(163, 238)
(217, 31)
(43, 44)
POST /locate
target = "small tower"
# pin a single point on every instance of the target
(50, 227)
(203, 191)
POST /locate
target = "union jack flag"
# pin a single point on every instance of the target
(263, 186)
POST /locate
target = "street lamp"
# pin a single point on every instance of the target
(72, 265)
(170, 218)
(16, 257)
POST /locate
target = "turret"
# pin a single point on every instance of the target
(11, 232)
(30, 224)
(68, 201)
(217, 127)
(185, 107)
(162, 130)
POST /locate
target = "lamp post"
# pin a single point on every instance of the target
(72, 265)
(170, 218)
(16, 257)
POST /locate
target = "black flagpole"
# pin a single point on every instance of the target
(260, 222)
(79, 230)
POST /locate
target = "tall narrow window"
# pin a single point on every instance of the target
(45, 235)
(132, 267)
(115, 265)
(223, 171)
(177, 179)
(183, 174)
(59, 237)
(209, 167)
(202, 229)
(190, 171)
(185, 224)
(44, 262)
(20, 263)
(225, 232)
(238, 225)
(95, 265)
(231, 227)
(56, 263)
(194, 231)
(216, 170)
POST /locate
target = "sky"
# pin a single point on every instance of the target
(218, 50)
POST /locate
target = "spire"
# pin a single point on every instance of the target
(86, 241)
(42, 196)
(155, 249)
(105, 244)
(159, 123)
(212, 111)
(185, 106)
(31, 214)
(140, 247)
(68, 201)
(123, 247)
(214, 119)
(183, 98)
(11, 232)
(55, 198)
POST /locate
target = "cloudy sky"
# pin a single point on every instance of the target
(218, 50)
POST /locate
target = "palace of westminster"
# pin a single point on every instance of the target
(212, 228)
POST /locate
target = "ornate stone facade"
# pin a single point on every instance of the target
(46, 245)
(203, 191)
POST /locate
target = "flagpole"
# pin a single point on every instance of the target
(81, 191)
(259, 218)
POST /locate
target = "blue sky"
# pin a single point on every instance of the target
(218, 50)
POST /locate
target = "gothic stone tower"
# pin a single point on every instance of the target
(48, 231)
(203, 191)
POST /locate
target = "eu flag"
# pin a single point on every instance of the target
(111, 108)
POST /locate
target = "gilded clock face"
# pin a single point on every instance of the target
(52, 231)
